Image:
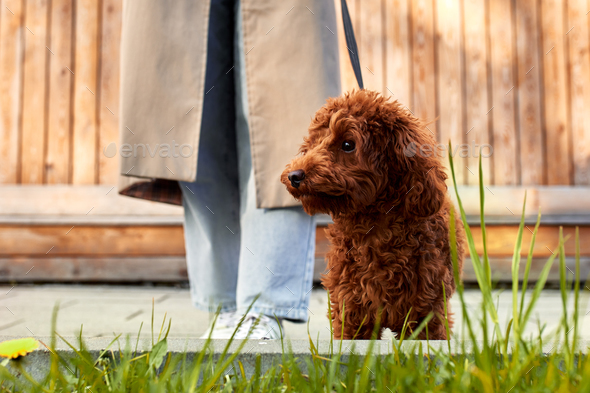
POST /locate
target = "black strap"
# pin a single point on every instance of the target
(351, 44)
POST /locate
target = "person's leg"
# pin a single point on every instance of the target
(211, 203)
(277, 245)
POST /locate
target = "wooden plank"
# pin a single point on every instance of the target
(92, 241)
(173, 269)
(103, 200)
(102, 219)
(557, 130)
(11, 52)
(398, 83)
(48, 268)
(34, 92)
(84, 169)
(476, 89)
(450, 87)
(501, 240)
(500, 200)
(347, 77)
(84, 201)
(57, 162)
(529, 93)
(501, 269)
(109, 89)
(579, 71)
(507, 200)
(371, 45)
(503, 93)
(423, 65)
(86, 269)
(49, 241)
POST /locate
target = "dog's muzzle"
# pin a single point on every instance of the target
(296, 177)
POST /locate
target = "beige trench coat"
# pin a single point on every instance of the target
(291, 68)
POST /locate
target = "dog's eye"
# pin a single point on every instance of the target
(348, 146)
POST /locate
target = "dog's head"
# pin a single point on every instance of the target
(358, 157)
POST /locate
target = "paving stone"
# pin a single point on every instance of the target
(106, 311)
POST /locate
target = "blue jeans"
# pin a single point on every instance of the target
(235, 251)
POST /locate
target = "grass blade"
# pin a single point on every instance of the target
(486, 260)
(577, 279)
(477, 266)
(527, 269)
(515, 270)
(456, 273)
(538, 287)
(563, 287)
(446, 318)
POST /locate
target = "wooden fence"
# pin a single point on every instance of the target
(511, 74)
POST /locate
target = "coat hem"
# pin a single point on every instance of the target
(157, 190)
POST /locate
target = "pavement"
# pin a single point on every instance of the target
(103, 311)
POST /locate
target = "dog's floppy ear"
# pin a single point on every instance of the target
(427, 188)
(419, 175)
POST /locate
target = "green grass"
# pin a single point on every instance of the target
(504, 361)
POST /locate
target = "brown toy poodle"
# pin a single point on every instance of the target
(390, 253)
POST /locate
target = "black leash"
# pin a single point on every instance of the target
(351, 44)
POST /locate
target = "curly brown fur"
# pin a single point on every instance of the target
(390, 251)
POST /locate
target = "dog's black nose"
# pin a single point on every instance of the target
(296, 177)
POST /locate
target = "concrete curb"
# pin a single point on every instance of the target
(37, 363)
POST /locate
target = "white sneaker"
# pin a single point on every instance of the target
(225, 325)
(257, 326)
